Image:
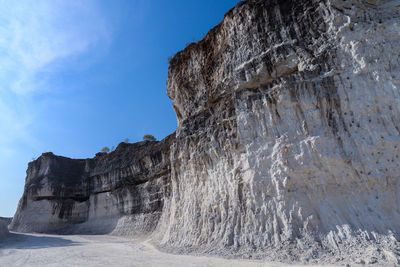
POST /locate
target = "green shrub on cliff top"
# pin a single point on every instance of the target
(149, 137)
(105, 149)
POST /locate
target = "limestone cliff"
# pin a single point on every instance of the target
(288, 133)
(287, 145)
(121, 192)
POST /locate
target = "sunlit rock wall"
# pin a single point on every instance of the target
(288, 141)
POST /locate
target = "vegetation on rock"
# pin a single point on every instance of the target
(149, 137)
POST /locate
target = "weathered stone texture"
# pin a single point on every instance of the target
(121, 192)
(288, 133)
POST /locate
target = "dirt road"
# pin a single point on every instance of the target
(77, 250)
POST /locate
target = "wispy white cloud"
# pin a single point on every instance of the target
(37, 34)
(15, 121)
(37, 40)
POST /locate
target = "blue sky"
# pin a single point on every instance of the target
(79, 75)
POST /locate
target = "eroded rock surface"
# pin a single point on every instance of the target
(287, 146)
(288, 133)
(121, 192)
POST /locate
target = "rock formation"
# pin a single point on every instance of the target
(6, 220)
(3, 229)
(288, 132)
(287, 145)
(121, 192)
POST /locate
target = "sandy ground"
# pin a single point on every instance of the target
(78, 250)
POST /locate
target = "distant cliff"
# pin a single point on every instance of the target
(121, 192)
(6, 220)
(287, 145)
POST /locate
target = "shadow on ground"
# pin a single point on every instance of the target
(27, 241)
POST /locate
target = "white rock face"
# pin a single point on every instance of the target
(288, 141)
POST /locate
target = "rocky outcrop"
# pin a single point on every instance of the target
(6, 220)
(121, 192)
(288, 140)
(3, 230)
(287, 145)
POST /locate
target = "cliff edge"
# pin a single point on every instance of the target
(287, 146)
(121, 192)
